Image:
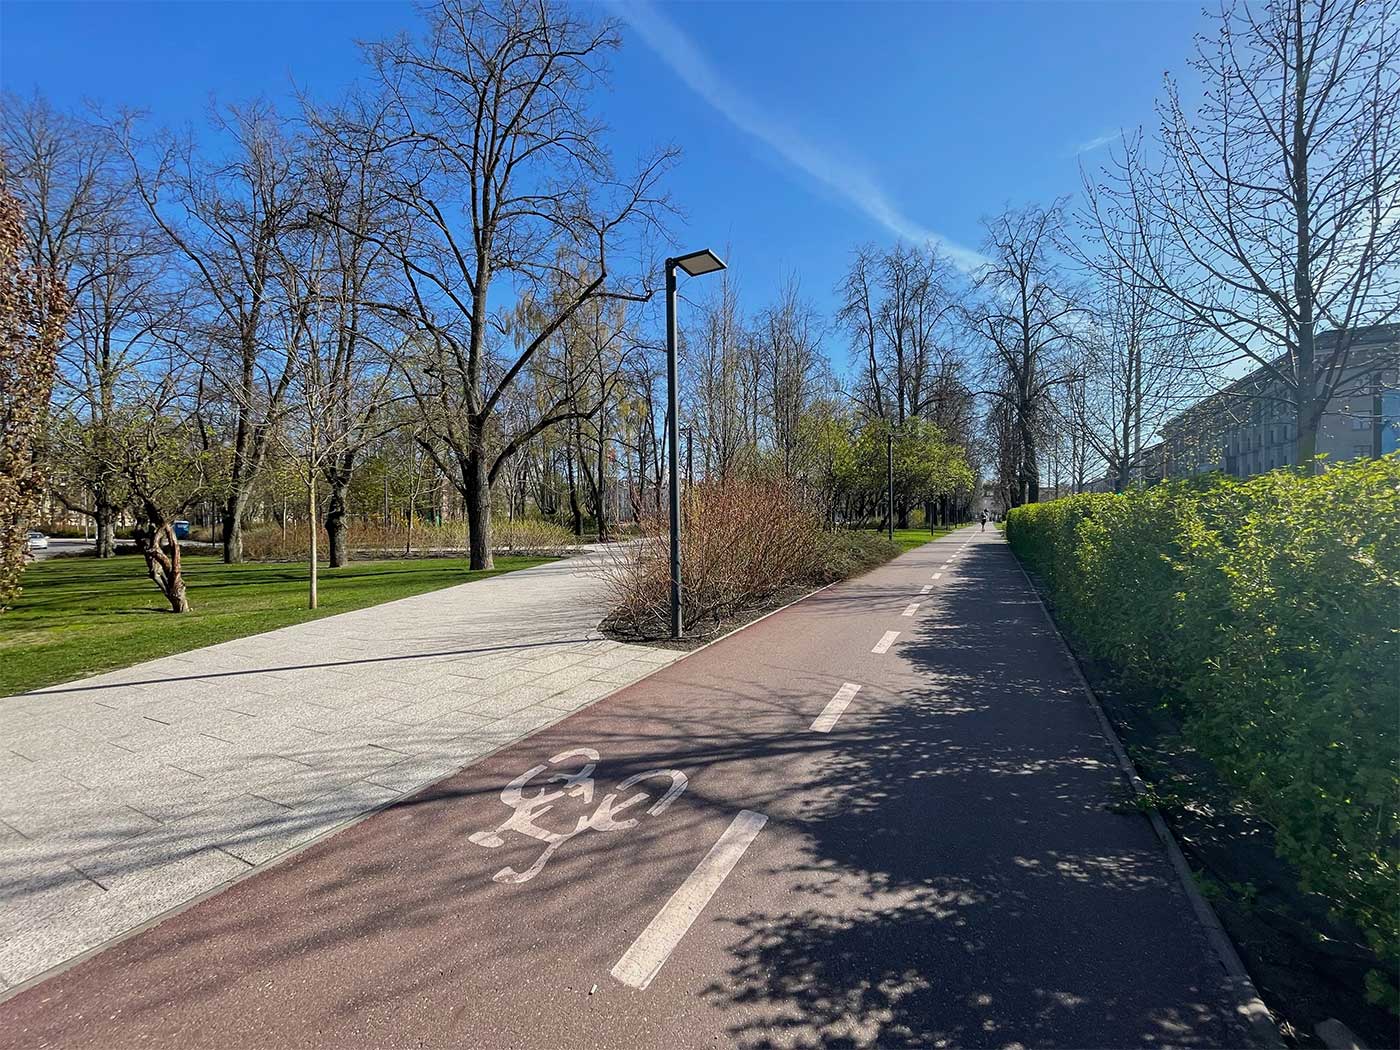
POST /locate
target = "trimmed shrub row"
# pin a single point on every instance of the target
(1267, 612)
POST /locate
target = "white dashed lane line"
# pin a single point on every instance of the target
(886, 640)
(938, 576)
(911, 609)
(926, 588)
(835, 708)
(654, 945)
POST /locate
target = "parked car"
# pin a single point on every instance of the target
(182, 529)
(38, 541)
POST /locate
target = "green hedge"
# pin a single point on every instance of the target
(1268, 612)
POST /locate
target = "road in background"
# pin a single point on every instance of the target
(58, 545)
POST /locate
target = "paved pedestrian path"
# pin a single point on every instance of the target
(129, 793)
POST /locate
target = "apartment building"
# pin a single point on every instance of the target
(1248, 428)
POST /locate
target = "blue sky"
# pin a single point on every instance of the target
(806, 128)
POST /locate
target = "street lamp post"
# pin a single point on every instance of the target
(695, 264)
(889, 482)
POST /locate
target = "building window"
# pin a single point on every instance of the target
(1360, 450)
(1360, 422)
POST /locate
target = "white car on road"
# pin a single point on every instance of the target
(38, 541)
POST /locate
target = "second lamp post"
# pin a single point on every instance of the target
(695, 264)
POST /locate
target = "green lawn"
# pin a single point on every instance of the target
(81, 616)
(908, 539)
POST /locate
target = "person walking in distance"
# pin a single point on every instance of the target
(984, 521)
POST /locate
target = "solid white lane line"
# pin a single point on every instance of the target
(938, 576)
(835, 708)
(926, 588)
(887, 640)
(653, 946)
(912, 608)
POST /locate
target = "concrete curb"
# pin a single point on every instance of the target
(1249, 1005)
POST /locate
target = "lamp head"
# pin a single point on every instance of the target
(697, 263)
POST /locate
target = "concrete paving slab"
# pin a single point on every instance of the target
(164, 779)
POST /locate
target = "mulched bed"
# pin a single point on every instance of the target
(707, 630)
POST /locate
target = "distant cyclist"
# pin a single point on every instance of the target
(984, 521)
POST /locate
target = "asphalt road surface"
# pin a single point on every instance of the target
(59, 545)
(883, 817)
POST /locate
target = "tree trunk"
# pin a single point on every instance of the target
(1030, 467)
(161, 549)
(336, 518)
(1120, 482)
(573, 493)
(231, 518)
(1309, 421)
(105, 522)
(478, 499)
(601, 509)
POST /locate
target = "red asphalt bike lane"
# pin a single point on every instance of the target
(945, 866)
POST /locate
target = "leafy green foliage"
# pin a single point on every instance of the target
(1268, 611)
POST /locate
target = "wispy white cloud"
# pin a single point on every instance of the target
(1097, 142)
(855, 185)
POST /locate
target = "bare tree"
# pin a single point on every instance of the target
(721, 382)
(167, 468)
(345, 266)
(81, 228)
(1274, 213)
(579, 379)
(228, 221)
(340, 374)
(500, 167)
(1024, 317)
(1133, 355)
(788, 335)
(899, 306)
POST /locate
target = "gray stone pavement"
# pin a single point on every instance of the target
(129, 793)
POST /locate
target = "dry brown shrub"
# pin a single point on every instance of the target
(744, 541)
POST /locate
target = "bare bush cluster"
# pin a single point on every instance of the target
(744, 541)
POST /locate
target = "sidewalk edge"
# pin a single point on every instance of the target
(1249, 1005)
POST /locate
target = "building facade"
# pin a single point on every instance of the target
(1249, 427)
